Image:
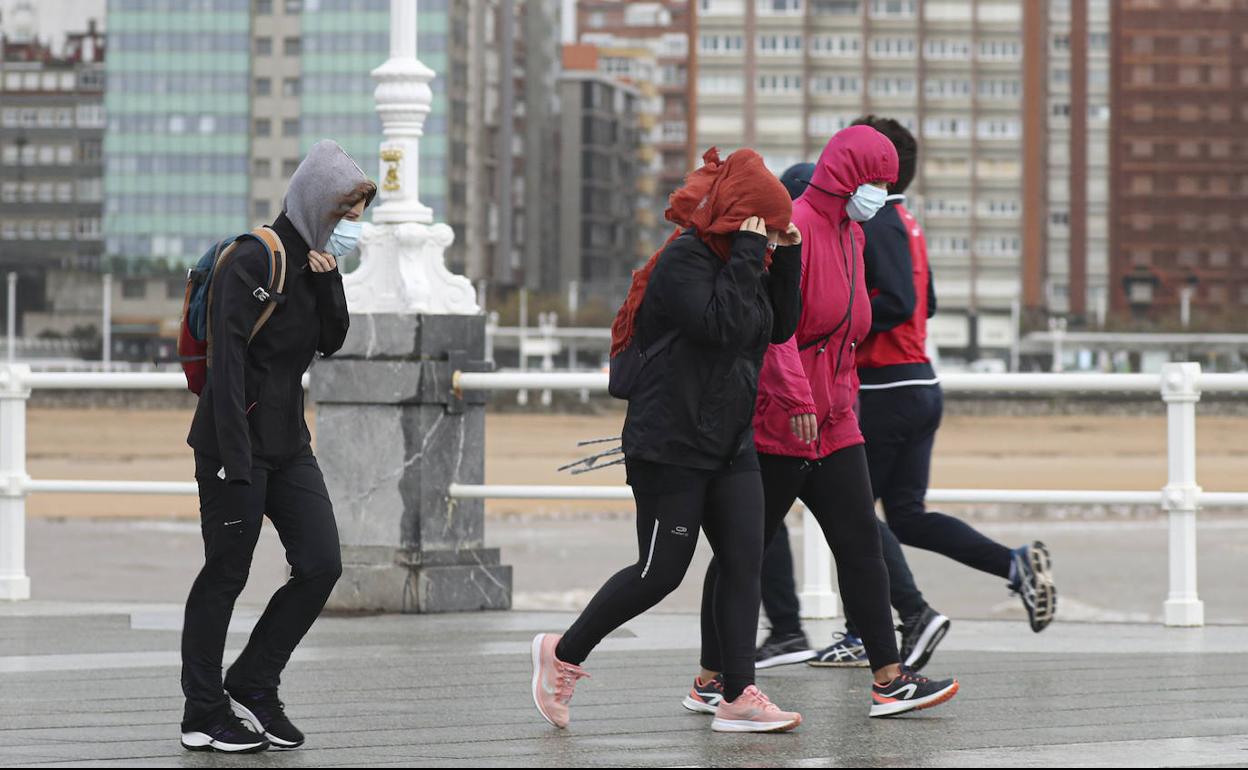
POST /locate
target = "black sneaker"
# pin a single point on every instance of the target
(910, 692)
(1033, 582)
(266, 713)
(705, 698)
(919, 637)
(783, 650)
(231, 735)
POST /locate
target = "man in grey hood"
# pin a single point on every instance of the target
(253, 454)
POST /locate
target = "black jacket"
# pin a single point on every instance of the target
(253, 402)
(693, 404)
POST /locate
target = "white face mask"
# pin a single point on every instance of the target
(344, 238)
(866, 202)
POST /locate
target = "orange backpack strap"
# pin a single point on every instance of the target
(277, 275)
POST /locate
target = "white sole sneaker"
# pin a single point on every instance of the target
(537, 673)
(197, 741)
(697, 706)
(928, 640)
(246, 714)
(914, 704)
(748, 726)
(786, 659)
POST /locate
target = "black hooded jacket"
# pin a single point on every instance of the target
(253, 402)
(693, 403)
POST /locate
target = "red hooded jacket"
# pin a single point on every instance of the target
(814, 372)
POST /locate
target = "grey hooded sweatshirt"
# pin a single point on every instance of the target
(252, 406)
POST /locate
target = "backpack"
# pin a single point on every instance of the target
(626, 365)
(195, 334)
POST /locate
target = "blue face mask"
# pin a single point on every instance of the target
(866, 202)
(345, 238)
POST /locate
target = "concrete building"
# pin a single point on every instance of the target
(952, 72)
(663, 28)
(598, 172)
(1075, 271)
(510, 218)
(213, 104)
(1179, 159)
(51, 134)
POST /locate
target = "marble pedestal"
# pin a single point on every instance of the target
(391, 438)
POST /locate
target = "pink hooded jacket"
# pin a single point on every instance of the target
(814, 372)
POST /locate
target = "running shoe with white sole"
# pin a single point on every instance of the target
(846, 651)
(705, 697)
(1033, 582)
(910, 692)
(919, 637)
(553, 680)
(783, 650)
(230, 736)
(266, 714)
(753, 712)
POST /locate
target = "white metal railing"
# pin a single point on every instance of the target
(1179, 385)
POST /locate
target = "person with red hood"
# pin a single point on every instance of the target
(805, 428)
(694, 329)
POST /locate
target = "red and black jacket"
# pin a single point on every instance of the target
(899, 281)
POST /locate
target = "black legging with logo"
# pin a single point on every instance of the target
(727, 506)
(837, 490)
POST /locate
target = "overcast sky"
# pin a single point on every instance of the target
(54, 18)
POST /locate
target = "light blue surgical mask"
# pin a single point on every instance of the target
(866, 202)
(344, 238)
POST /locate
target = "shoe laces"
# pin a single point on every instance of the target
(756, 697)
(568, 675)
(907, 675)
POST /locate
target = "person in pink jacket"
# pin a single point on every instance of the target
(805, 428)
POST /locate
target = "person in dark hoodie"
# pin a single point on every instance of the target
(719, 296)
(253, 457)
(806, 431)
(900, 409)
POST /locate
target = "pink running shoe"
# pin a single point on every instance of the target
(752, 712)
(553, 680)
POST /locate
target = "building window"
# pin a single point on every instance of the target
(892, 86)
(1000, 50)
(292, 46)
(956, 128)
(779, 7)
(945, 48)
(1061, 42)
(262, 7)
(294, 6)
(289, 166)
(835, 45)
(291, 87)
(780, 45)
(893, 9)
(262, 168)
(944, 88)
(134, 288)
(260, 208)
(290, 127)
(263, 86)
(835, 7)
(264, 46)
(780, 84)
(892, 48)
(263, 127)
(835, 84)
(721, 44)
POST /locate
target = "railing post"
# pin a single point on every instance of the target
(818, 597)
(1180, 389)
(14, 392)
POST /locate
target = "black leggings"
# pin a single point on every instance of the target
(728, 508)
(837, 489)
(292, 493)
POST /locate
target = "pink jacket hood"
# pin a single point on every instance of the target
(814, 371)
